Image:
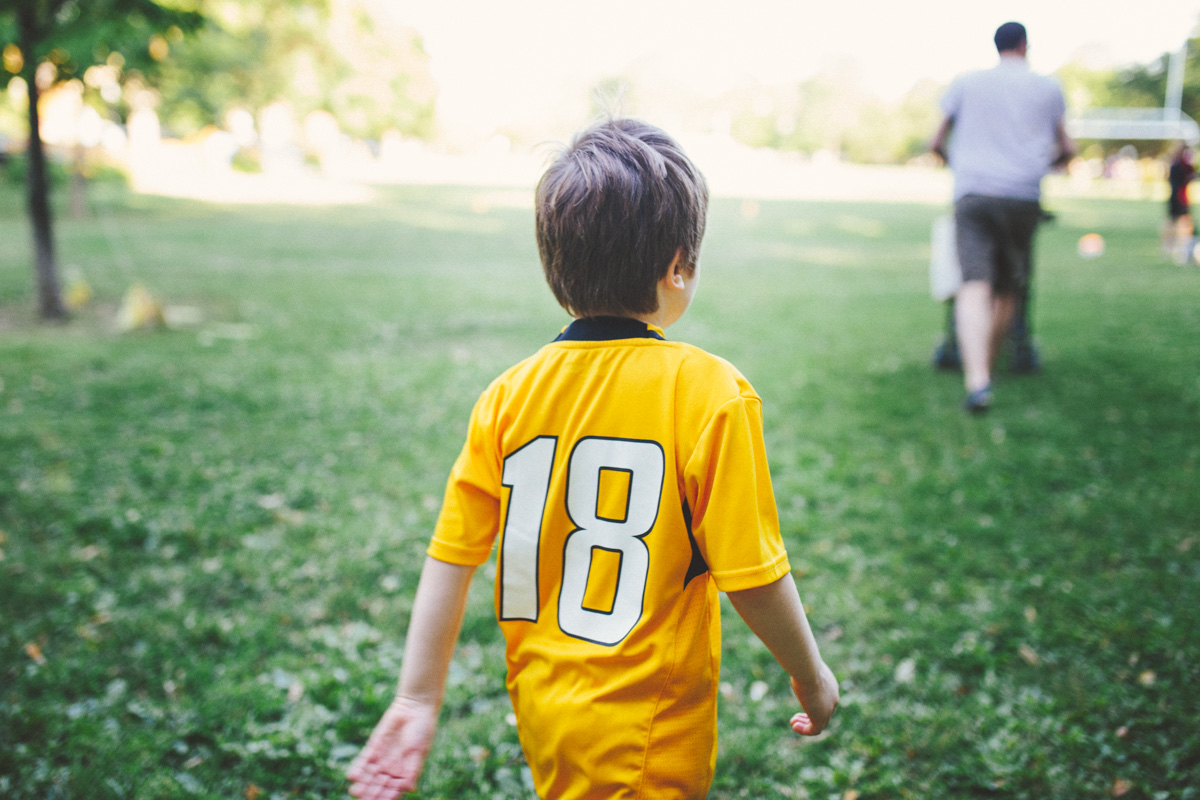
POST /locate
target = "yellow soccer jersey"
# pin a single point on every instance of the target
(627, 480)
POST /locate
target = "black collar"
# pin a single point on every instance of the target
(605, 329)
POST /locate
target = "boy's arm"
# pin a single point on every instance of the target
(390, 763)
(776, 615)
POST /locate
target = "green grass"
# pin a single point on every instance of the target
(211, 535)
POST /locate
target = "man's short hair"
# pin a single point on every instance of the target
(612, 211)
(1009, 36)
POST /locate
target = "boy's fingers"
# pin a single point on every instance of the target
(358, 767)
(803, 725)
(364, 765)
(385, 776)
(381, 786)
(410, 767)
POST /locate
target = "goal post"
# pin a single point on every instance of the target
(1168, 123)
(1121, 124)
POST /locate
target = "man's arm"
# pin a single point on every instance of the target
(390, 764)
(938, 145)
(776, 615)
(1066, 147)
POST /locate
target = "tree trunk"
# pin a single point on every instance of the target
(49, 298)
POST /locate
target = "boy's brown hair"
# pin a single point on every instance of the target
(611, 211)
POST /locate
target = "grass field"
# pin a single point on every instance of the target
(209, 536)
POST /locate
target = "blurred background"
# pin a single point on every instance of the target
(190, 97)
(293, 240)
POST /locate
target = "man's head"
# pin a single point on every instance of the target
(1010, 38)
(612, 212)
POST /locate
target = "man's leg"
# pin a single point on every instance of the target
(974, 310)
(1004, 310)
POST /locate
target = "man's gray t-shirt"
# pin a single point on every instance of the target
(1005, 130)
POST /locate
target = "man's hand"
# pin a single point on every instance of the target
(1066, 147)
(390, 764)
(938, 145)
(819, 703)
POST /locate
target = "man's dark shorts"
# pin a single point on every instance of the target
(995, 240)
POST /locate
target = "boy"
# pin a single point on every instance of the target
(627, 480)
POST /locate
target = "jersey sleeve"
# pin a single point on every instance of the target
(728, 486)
(470, 516)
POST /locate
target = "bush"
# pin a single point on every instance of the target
(247, 160)
(12, 170)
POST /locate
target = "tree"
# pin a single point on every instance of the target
(317, 55)
(244, 56)
(57, 40)
(1089, 87)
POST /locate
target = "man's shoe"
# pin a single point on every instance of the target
(978, 401)
(1025, 359)
(946, 356)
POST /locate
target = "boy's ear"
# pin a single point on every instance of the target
(674, 274)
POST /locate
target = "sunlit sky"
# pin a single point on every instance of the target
(498, 61)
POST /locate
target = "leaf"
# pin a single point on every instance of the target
(1147, 678)
(35, 652)
(289, 516)
(139, 309)
(88, 553)
(271, 501)
(1120, 787)
(1029, 655)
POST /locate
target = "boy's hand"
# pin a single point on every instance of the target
(819, 703)
(390, 764)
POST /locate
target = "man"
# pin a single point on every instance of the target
(1008, 132)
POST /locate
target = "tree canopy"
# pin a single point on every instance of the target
(73, 35)
(335, 57)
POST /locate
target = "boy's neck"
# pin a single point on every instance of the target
(657, 319)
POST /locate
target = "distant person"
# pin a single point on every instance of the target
(1002, 132)
(1179, 228)
(626, 480)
